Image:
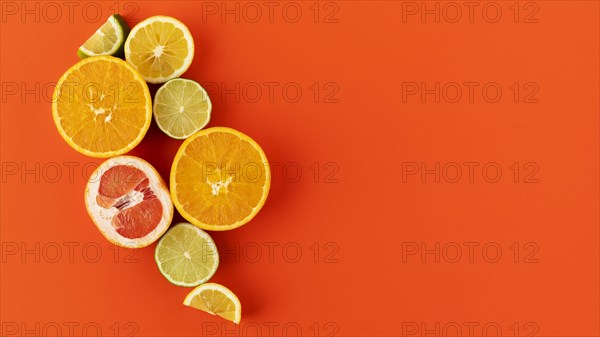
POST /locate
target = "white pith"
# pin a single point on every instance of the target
(216, 187)
(158, 50)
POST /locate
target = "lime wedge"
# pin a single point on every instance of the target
(109, 39)
(186, 255)
(215, 299)
(181, 107)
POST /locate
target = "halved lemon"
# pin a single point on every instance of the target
(109, 39)
(181, 107)
(102, 107)
(129, 202)
(216, 300)
(220, 179)
(160, 48)
(186, 255)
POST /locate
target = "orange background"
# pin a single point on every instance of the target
(356, 221)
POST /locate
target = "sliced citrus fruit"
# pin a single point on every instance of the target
(216, 300)
(160, 48)
(181, 107)
(109, 39)
(220, 179)
(128, 201)
(102, 107)
(186, 255)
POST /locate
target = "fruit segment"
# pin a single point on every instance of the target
(215, 299)
(107, 40)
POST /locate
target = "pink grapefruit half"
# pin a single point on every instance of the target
(129, 202)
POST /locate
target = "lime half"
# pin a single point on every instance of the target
(186, 255)
(216, 300)
(181, 107)
(109, 39)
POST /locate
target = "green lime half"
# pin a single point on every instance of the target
(107, 40)
(186, 255)
(181, 107)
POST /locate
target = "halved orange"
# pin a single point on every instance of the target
(129, 202)
(102, 107)
(220, 179)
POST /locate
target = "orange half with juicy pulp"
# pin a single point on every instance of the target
(102, 107)
(220, 179)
